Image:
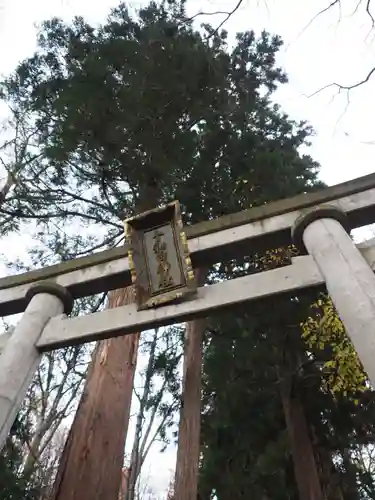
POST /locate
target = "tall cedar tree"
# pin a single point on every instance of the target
(145, 109)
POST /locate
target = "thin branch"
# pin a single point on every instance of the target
(154, 439)
(338, 3)
(76, 196)
(357, 7)
(43, 392)
(326, 9)
(137, 394)
(330, 6)
(63, 413)
(104, 243)
(51, 362)
(214, 13)
(370, 14)
(99, 303)
(346, 87)
(68, 213)
(151, 422)
(228, 16)
(106, 196)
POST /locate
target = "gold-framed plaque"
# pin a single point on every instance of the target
(159, 258)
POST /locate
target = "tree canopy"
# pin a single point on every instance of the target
(139, 102)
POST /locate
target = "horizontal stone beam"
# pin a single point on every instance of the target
(367, 250)
(62, 331)
(303, 273)
(244, 233)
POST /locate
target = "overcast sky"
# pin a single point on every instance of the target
(334, 48)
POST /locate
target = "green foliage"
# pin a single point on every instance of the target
(244, 441)
(243, 430)
(325, 334)
(151, 101)
(13, 486)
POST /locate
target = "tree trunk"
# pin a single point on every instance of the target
(329, 477)
(34, 449)
(187, 464)
(124, 483)
(9, 183)
(305, 467)
(92, 459)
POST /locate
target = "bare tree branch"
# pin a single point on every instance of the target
(326, 9)
(68, 213)
(331, 5)
(370, 14)
(228, 16)
(341, 87)
(338, 4)
(214, 13)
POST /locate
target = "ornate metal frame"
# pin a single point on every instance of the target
(177, 252)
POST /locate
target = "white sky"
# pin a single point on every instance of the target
(330, 50)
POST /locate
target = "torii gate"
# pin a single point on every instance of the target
(318, 223)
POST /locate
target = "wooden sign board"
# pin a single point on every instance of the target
(159, 258)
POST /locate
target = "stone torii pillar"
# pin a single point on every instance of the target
(20, 358)
(350, 282)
